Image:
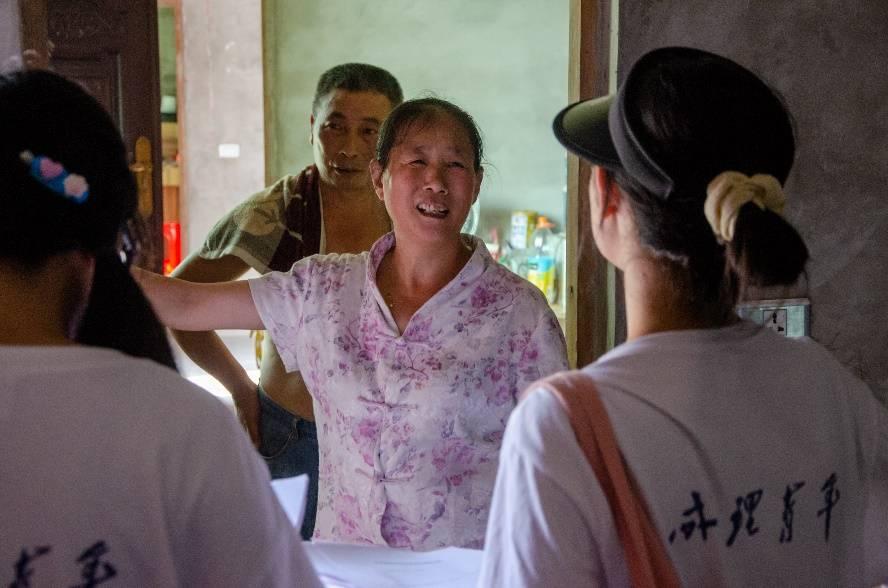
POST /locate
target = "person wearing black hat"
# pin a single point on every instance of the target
(758, 460)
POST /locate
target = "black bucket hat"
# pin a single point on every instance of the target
(609, 131)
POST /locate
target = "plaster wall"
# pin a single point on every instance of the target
(828, 60)
(504, 61)
(221, 102)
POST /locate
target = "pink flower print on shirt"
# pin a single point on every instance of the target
(419, 330)
(487, 302)
(367, 429)
(401, 433)
(397, 531)
(453, 453)
(409, 424)
(365, 434)
(496, 370)
(522, 342)
(348, 517)
(483, 296)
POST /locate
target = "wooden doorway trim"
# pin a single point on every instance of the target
(110, 48)
(34, 32)
(589, 77)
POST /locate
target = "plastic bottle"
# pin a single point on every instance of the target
(521, 228)
(541, 266)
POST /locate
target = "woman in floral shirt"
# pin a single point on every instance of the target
(414, 352)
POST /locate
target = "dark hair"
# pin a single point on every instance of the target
(357, 77)
(703, 115)
(425, 110)
(45, 114)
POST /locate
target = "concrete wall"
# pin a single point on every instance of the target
(10, 44)
(504, 61)
(828, 60)
(222, 102)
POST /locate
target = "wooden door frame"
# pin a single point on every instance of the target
(590, 280)
(33, 30)
(34, 34)
(176, 5)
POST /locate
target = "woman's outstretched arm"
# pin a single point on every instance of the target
(191, 306)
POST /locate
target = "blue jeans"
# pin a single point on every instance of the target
(289, 446)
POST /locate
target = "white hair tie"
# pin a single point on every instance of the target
(730, 190)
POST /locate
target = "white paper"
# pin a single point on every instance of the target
(364, 566)
(292, 493)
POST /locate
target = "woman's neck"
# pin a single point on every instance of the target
(409, 276)
(657, 300)
(31, 314)
(417, 269)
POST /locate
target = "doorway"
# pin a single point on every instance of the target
(169, 37)
(110, 48)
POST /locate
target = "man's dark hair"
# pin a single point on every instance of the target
(357, 77)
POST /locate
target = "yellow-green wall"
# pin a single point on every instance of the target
(504, 61)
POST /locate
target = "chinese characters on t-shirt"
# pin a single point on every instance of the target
(93, 571)
(696, 522)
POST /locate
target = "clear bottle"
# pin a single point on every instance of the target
(541, 260)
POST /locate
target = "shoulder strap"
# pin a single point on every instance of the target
(302, 217)
(648, 562)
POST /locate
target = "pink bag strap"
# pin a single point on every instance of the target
(648, 562)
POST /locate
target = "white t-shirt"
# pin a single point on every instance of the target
(117, 469)
(766, 443)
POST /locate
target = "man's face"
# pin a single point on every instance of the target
(343, 137)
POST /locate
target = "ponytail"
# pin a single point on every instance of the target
(120, 317)
(766, 250)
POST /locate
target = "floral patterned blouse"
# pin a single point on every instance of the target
(409, 425)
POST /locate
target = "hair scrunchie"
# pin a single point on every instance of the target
(730, 190)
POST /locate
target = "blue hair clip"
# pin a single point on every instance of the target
(54, 176)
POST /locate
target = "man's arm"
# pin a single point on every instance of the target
(206, 348)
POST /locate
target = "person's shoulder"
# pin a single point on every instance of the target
(276, 196)
(273, 193)
(341, 259)
(805, 351)
(327, 264)
(538, 423)
(523, 291)
(314, 276)
(805, 346)
(154, 389)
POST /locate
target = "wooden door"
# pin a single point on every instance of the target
(110, 48)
